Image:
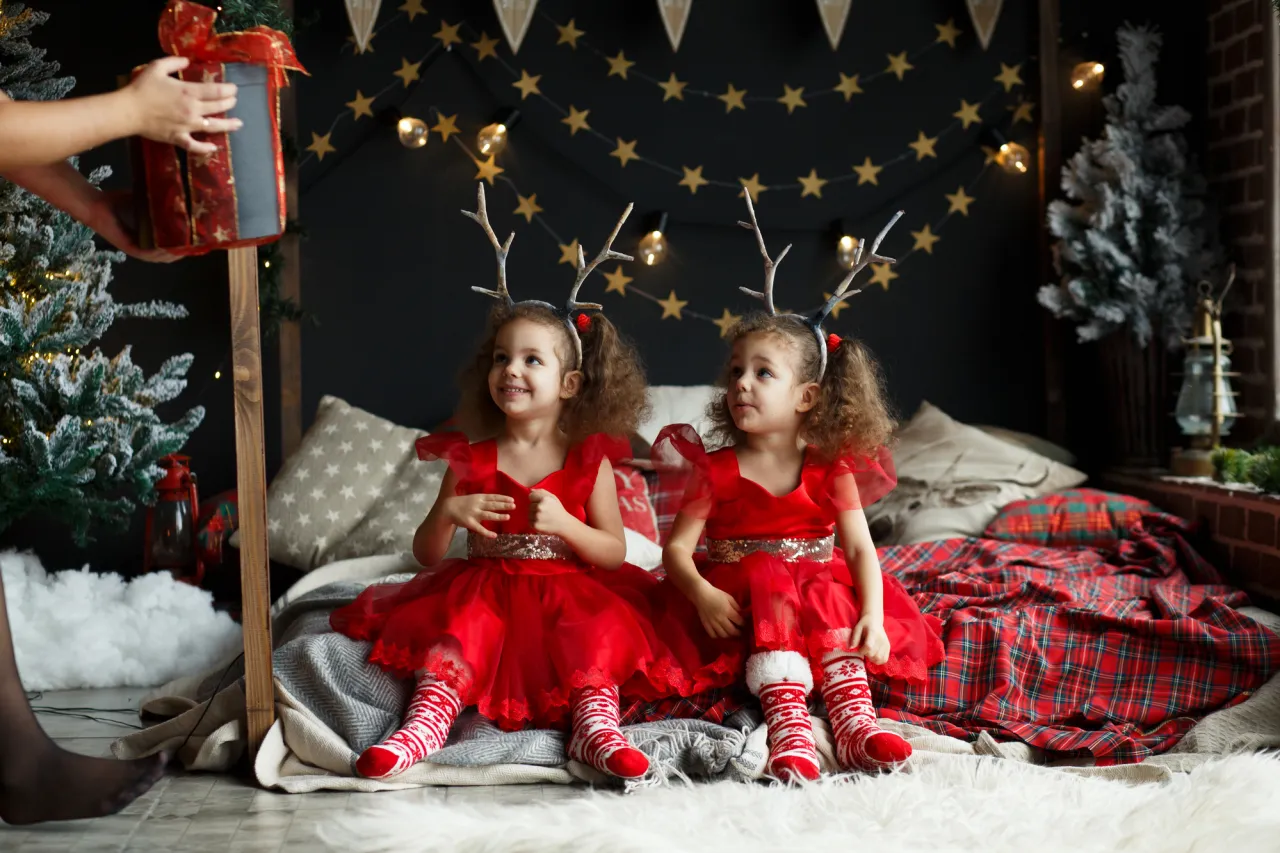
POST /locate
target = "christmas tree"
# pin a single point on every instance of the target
(1133, 240)
(79, 434)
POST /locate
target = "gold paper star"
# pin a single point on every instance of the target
(968, 113)
(527, 84)
(840, 306)
(898, 64)
(445, 126)
(925, 238)
(576, 119)
(693, 179)
(618, 281)
(487, 170)
(671, 306)
(368, 47)
(569, 253)
(1023, 112)
(792, 98)
(733, 99)
(485, 47)
(882, 274)
(1009, 76)
(569, 34)
(412, 8)
(812, 184)
(320, 145)
(753, 186)
(924, 146)
(619, 65)
(361, 106)
(673, 88)
(726, 322)
(948, 32)
(528, 206)
(408, 71)
(960, 201)
(848, 86)
(989, 155)
(868, 173)
(448, 34)
(625, 152)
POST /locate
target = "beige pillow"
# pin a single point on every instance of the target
(953, 479)
(353, 469)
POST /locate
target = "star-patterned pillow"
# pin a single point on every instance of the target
(354, 472)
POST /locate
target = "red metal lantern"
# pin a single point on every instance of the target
(171, 523)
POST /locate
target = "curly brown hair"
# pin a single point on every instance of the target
(852, 414)
(613, 397)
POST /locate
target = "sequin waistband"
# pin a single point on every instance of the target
(519, 546)
(789, 550)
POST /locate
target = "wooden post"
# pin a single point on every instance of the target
(1050, 155)
(290, 286)
(251, 486)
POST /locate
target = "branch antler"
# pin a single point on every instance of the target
(770, 265)
(585, 269)
(859, 264)
(500, 249)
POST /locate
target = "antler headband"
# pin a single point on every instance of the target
(815, 320)
(572, 305)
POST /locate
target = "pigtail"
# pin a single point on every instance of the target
(614, 397)
(853, 414)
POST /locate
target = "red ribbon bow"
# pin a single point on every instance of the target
(833, 341)
(186, 29)
(583, 322)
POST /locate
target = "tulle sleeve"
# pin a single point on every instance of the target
(583, 464)
(684, 468)
(453, 448)
(857, 481)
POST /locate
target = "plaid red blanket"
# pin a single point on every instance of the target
(1110, 653)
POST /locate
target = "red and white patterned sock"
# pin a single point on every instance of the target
(597, 738)
(782, 680)
(860, 742)
(431, 713)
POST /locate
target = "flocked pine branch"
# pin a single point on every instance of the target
(1133, 234)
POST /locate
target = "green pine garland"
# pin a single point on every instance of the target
(1259, 467)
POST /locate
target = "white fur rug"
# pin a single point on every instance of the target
(78, 629)
(965, 804)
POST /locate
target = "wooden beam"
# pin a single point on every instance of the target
(1050, 166)
(290, 286)
(251, 489)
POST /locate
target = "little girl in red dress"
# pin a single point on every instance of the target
(805, 422)
(543, 620)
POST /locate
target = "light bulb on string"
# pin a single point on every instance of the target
(1013, 157)
(653, 246)
(412, 131)
(846, 244)
(1087, 75)
(492, 138)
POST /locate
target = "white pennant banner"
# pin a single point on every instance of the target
(834, 14)
(675, 15)
(984, 14)
(362, 14)
(515, 17)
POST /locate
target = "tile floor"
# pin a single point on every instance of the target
(201, 812)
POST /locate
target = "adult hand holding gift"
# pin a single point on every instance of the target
(230, 192)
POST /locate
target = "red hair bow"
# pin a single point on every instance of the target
(583, 322)
(833, 341)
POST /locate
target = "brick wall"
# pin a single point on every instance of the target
(1242, 173)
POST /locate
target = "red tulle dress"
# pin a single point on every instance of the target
(514, 636)
(795, 595)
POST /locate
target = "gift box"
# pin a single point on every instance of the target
(196, 203)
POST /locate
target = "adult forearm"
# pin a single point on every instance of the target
(37, 133)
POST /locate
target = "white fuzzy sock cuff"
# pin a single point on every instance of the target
(771, 667)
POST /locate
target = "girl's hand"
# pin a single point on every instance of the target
(471, 511)
(718, 611)
(108, 220)
(169, 110)
(870, 640)
(546, 513)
